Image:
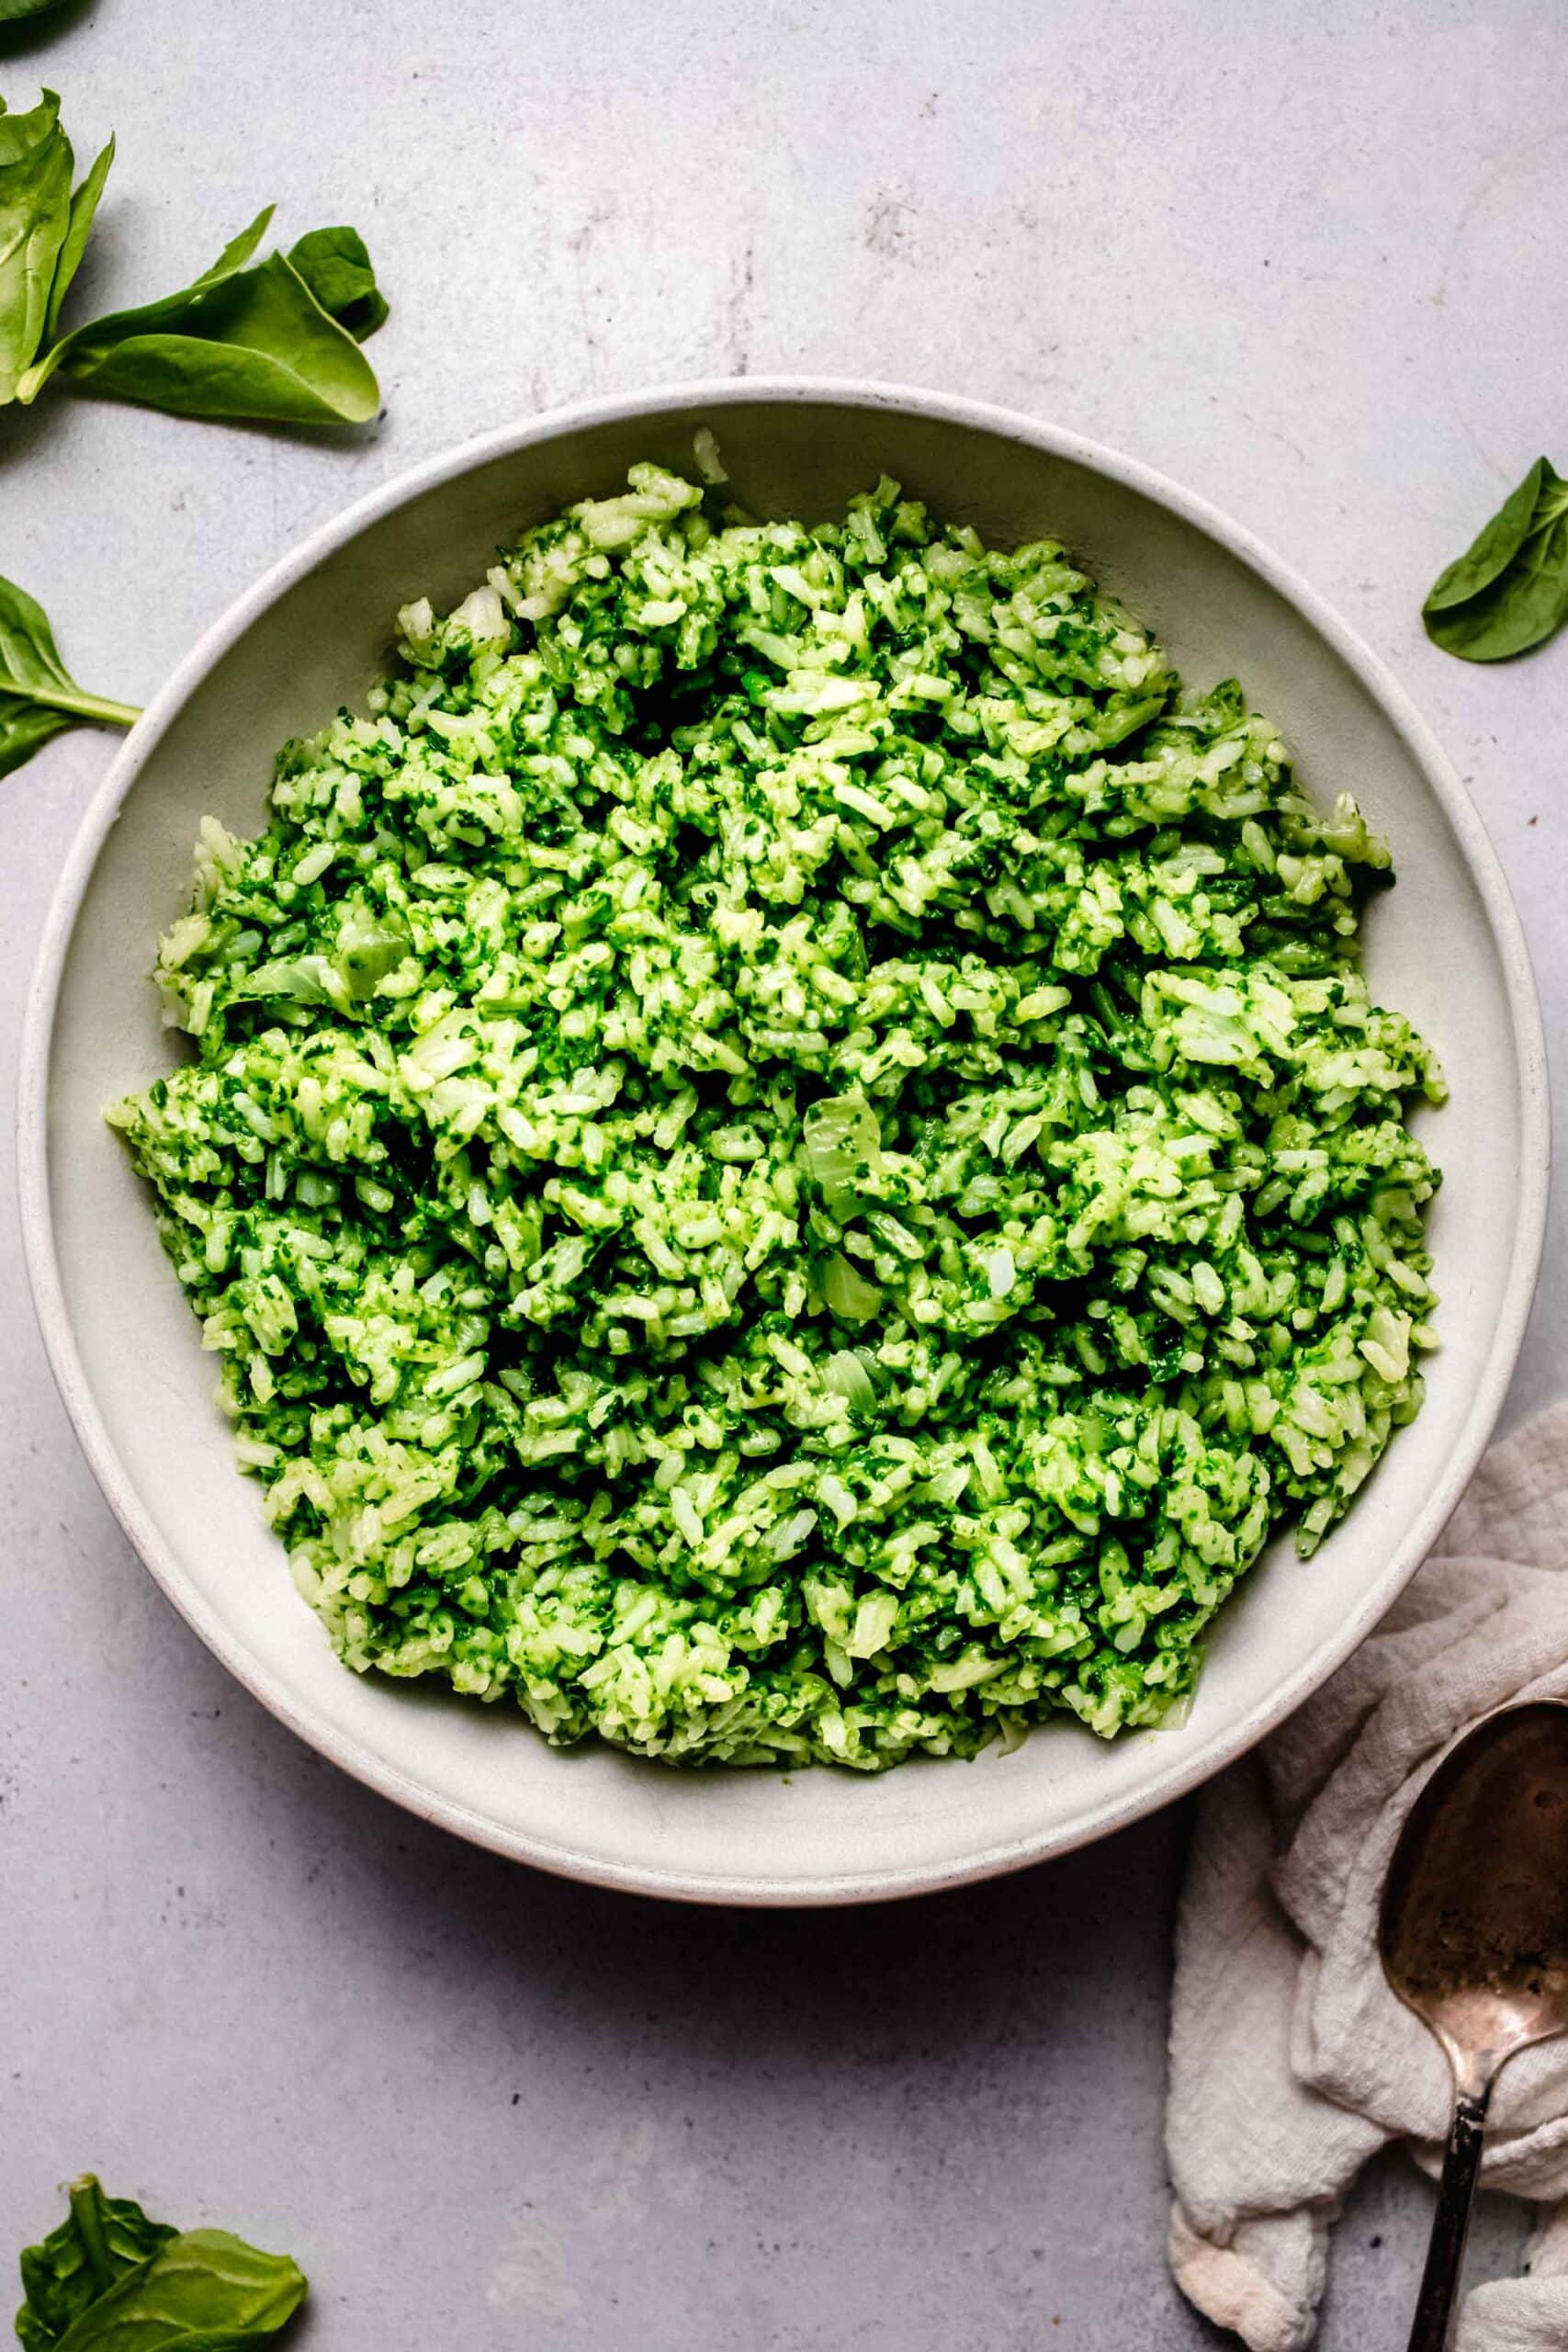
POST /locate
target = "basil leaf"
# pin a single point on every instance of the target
(35, 214)
(101, 2239)
(241, 343)
(201, 2291)
(1509, 590)
(38, 698)
(337, 269)
(11, 11)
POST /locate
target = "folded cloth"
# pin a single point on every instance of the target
(1290, 2061)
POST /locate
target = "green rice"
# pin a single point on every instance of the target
(787, 1156)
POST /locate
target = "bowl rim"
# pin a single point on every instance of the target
(1185, 1771)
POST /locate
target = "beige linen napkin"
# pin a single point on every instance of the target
(1290, 2061)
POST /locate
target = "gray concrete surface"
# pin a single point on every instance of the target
(1308, 260)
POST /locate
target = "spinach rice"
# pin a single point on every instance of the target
(787, 1156)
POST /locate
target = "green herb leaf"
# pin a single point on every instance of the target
(202, 2292)
(101, 2239)
(111, 2281)
(11, 11)
(262, 348)
(238, 342)
(38, 698)
(233, 258)
(337, 267)
(1509, 590)
(84, 205)
(35, 215)
(1495, 548)
(277, 342)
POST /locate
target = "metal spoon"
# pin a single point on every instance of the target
(1474, 1939)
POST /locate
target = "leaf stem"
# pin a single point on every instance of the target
(85, 2212)
(80, 704)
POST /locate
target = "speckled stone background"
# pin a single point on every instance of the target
(1309, 260)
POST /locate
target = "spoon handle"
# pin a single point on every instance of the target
(1451, 2223)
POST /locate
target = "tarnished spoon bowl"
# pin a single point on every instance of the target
(1474, 1939)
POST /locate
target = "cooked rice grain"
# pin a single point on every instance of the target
(787, 1156)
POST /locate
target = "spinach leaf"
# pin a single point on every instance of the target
(245, 343)
(229, 264)
(111, 2281)
(83, 206)
(35, 215)
(276, 340)
(101, 2239)
(1509, 590)
(337, 267)
(202, 2292)
(38, 698)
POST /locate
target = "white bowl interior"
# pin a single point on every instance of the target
(142, 1388)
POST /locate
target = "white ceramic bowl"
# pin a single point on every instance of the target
(1445, 946)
